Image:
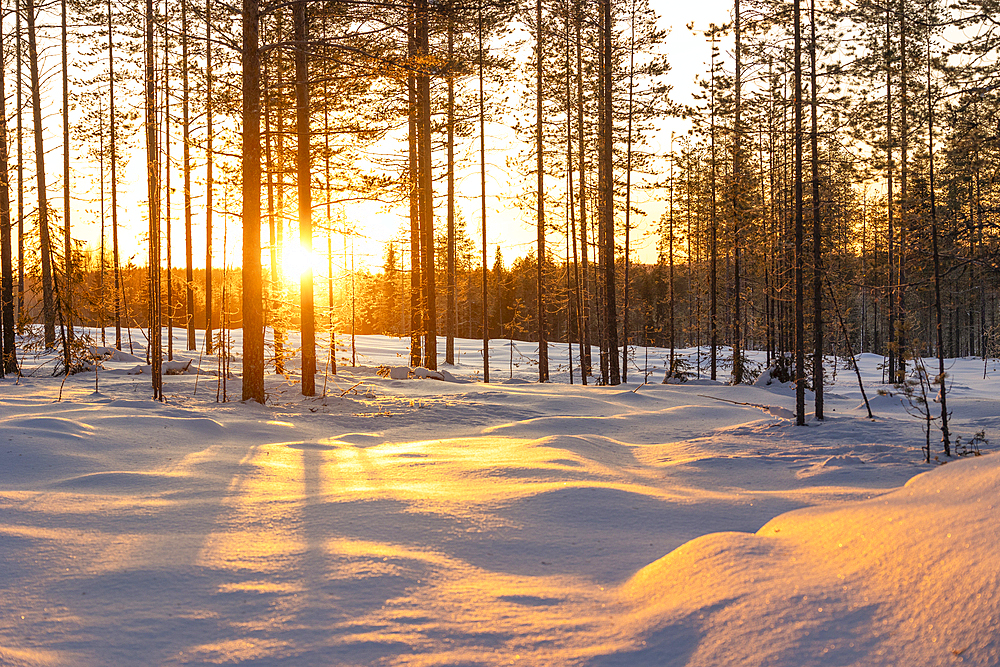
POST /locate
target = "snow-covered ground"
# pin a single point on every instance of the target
(422, 522)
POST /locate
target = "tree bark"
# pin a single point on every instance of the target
(48, 298)
(607, 191)
(8, 355)
(800, 376)
(303, 177)
(253, 297)
(153, 189)
(543, 351)
(816, 225)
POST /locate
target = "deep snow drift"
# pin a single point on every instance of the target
(429, 522)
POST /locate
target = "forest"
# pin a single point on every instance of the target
(835, 191)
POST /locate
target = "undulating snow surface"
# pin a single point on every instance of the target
(429, 522)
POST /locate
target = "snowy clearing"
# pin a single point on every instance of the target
(442, 521)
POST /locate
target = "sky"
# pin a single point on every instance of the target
(512, 229)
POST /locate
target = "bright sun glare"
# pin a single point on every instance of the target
(294, 260)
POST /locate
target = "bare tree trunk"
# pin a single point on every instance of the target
(426, 185)
(303, 176)
(607, 192)
(628, 198)
(889, 202)
(186, 166)
(253, 297)
(800, 376)
(166, 189)
(904, 200)
(543, 350)
(20, 170)
(737, 205)
(482, 185)
(67, 291)
(48, 298)
(8, 355)
(449, 349)
(938, 317)
(113, 141)
(153, 189)
(586, 361)
(817, 225)
(713, 296)
(209, 184)
(416, 305)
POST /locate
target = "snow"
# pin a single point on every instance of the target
(405, 520)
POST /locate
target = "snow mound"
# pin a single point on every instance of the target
(112, 354)
(907, 578)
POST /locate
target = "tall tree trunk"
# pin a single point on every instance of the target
(586, 361)
(571, 204)
(449, 347)
(303, 177)
(628, 197)
(209, 176)
(48, 298)
(8, 355)
(904, 201)
(186, 166)
(543, 349)
(713, 268)
(607, 193)
(253, 296)
(113, 147)
(67, 290)
(938, 317)
(816, 224)
(893, 348)
(20, 170)
(416, 305)
(153, 189)
(800, 375)
(168, 236)
(424, 148)
(737, 204)
(482, 186)
(673, 361)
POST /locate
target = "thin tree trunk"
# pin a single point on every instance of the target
(167, 191)
(48, 298)
(607, 192)
(904, 203)
(816, 224)
(713, 288)
(426, 185)
(628, 199)
(893, 351)
(20, 171)
(482, 185)
(800, 376)
(303, 177)
(67, 214)
(737, 205)
(209, 184)
(416, 305)
(8, 355)
(938, 317)
(543, 351)
(153, 188)
(586, 361)
(449, 349)
(253, 297)
(186, 157)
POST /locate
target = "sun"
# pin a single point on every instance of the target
(293, 261)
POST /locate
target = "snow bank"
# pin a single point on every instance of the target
(907, 578)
